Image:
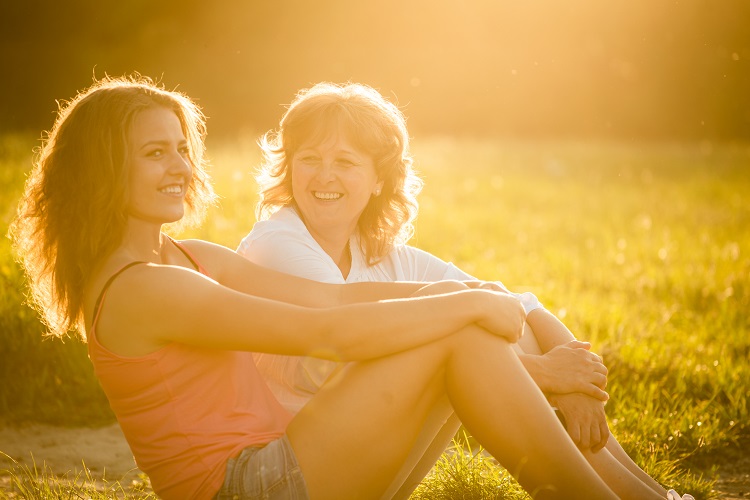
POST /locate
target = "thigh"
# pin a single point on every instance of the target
(355, 433)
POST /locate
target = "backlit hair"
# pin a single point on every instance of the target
(73, 212)
(375, 126)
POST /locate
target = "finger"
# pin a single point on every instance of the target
(578, 344)
(603, 436)
(598, 445)
(596, 358)
(595, 438)
(488, 285)
(604, 430)
(585, 442)
(600, 368)
(575, 433)
(599, 380)
(595, 392)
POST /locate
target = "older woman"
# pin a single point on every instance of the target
(338, 195)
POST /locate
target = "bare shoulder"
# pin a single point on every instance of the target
(145, 303)
(223, 264)
(147, 282)
(213, 257)
(206, 249)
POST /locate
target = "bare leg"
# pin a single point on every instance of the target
(619, 454)
(353, 436)
(615, 467)
(623, 482)
(436, 435)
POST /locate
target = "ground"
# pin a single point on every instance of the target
(105, 453)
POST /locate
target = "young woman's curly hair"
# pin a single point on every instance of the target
(375, 126)
(74, 208)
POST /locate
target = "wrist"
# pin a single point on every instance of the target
(535, 367)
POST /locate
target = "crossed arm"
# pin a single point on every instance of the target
(248, 307)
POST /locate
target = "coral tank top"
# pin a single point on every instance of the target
(185, 410)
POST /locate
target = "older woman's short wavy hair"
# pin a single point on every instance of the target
(74, 210)
(374, 125)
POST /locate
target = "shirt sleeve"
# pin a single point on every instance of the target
(286, 250)
(423, 266)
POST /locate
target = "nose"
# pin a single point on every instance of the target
(180, 164)
(326, 172)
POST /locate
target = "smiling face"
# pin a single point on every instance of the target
(332, 182)
(159, 166)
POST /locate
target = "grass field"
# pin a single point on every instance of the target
(642, 249)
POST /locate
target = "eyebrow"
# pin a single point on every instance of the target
(344, 151)
(160, 142)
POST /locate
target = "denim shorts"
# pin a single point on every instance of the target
(267, 473)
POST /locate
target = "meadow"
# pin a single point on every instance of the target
(642, 249)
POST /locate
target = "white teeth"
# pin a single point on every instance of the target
(172, 190)
(327, 196)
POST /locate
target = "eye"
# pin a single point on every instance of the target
(155, 153)
(309, 159)
(345, 163)
(185, 151)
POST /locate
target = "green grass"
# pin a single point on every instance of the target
(642, 249)
(39, 482)
(466, 474)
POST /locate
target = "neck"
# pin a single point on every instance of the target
(337, 247)
(143, 242)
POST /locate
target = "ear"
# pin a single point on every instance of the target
(378, 188)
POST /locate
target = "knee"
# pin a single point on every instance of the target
(439, 287)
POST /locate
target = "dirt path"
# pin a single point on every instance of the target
(104, 451)
(733, 481)
(106, 454)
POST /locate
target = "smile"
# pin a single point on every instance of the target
(327, 196)
(173, 189)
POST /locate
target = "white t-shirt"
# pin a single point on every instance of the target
(283, 243)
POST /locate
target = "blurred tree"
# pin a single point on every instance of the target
(622, 69)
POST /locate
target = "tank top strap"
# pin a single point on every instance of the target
(197, 265)
(100, 299)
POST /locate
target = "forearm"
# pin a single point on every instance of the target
(244, 276)
(365, 331)
(549, 331)
(354, 293)
(558, 363)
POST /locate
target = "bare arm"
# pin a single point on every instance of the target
(582, 407)
(162, 304)
(565, 364)
(550, 332)
(583, 371)
(238, 273)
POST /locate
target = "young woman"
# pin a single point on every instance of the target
(170, 326)
(338, 195)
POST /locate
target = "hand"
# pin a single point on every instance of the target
(585, 420)
(503, 314)
(486, 285)
(572, 368)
